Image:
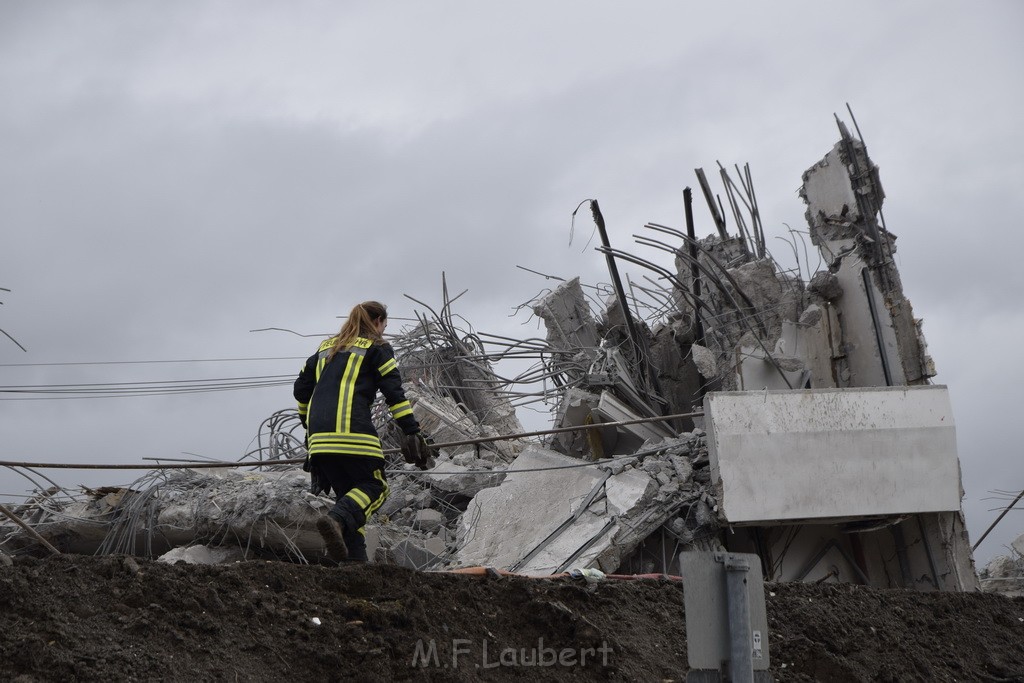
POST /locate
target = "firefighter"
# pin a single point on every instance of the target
(335, 390)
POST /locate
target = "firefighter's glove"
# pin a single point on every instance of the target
(411, 449)
(417, 451)
(318, 483)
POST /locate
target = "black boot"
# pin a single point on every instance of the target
(333, 534)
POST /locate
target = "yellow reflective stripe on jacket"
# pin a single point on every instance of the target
(303, 409)
(390, 365)
(352, 444)
(401, 409)
(347, 437)
(346, 391)
(322, 353)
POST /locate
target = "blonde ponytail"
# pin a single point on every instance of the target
(361, 322)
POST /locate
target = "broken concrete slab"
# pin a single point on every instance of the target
(570, 324)
(459, 479)
(887, 451)
(418, 554)
(428, 520)
(542, 518)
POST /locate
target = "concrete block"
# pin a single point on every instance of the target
(413, 555)
(435, 545)
(452, 478)
(464, 459)
(707, 364)
(371, 535)
(568, 318)
(393, 504)
(428, 520)
(201, 554)
(828, 191)
(504, 524)
(683, 468)
(651, 466)
(833, 453)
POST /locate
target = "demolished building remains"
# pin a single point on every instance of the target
(721, 403)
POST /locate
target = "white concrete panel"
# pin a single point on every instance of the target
(832, 453)
(828, 189)
(503, 524)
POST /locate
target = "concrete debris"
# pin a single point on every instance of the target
(1017, 545)
(412, 555)
(724, 322)
(428, 520)
(201, 554)
(544, 520)
(265, 514)
(705, 361)
(572, 330)
(825, 285)
(1004, 574)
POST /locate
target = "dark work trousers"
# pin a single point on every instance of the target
(361, 487)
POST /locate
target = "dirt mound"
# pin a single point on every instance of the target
(116, 618)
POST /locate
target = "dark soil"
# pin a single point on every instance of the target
(86, 618)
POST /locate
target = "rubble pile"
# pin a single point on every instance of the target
(629, 478)
(1005, 573)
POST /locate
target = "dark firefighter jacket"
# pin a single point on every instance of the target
(335, 397)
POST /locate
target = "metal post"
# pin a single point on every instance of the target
(993, 525)
(694, 270)
(643, 363)
(741, 660)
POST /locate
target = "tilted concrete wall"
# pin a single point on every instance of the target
(832, 453)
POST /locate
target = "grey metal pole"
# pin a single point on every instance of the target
(741, 658)
(993, 525)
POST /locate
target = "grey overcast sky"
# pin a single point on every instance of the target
(174, 175)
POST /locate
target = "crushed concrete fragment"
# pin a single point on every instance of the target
(417, 555)
(451, 478)
(428, 520)
(538, 521)
(201, 554)
(825, 285)
(705, 360)
(1004, 574)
